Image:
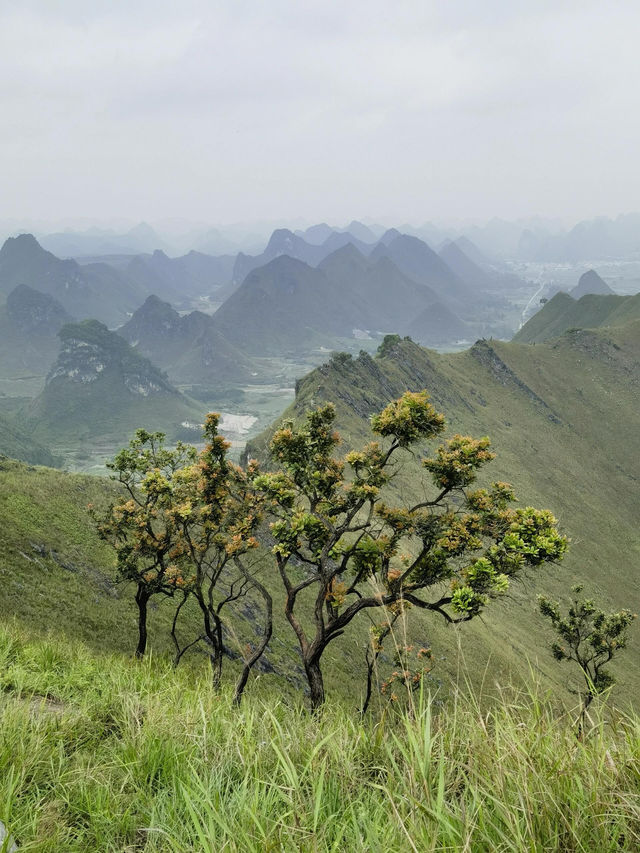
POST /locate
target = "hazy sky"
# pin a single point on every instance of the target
(267, 109)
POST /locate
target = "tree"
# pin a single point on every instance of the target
(589, 637)
(336, 538)
(187, 522)
(217, 517)
(141, 525)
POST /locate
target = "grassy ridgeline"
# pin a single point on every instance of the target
(98, 753)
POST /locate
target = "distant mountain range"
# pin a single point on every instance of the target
(287, 305)
(358, 230)
(588, 240)
(189, 347)
(296, 296)
(97, 241)
(180, 280)
(29, 326)
(285, 242)
(418, 261)
(529, 239)
(93, 290)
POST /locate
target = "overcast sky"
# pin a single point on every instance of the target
(408, 110)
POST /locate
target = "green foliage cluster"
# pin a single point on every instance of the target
(449, 554)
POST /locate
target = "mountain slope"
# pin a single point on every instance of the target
(380, 296)
(590, 282)
(418, 261)
(278, 308)
(562, 312)
(100, 387)
(281, 242)
(564, 420)
(17, 443)
(29, 326)
(188, 347)
(462, 265)
(287, 305)
(285, 242)
(576, 451)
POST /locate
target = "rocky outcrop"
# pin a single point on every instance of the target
(90, 351)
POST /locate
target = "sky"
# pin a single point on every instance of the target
(242, 110)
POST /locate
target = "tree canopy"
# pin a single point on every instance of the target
(338, 534)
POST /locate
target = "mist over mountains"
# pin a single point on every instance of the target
(218, 328)
(534, 239)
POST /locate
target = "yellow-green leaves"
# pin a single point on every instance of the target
(409, 419)
(455, 464)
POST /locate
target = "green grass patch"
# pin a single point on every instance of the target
(98, 753)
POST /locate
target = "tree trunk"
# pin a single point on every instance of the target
(142, 598)
(212, 637)
(370, 659)
(266, 636)
(316, 683)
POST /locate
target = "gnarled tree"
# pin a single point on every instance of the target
(187, 522)
(338, 537)
(216, 517)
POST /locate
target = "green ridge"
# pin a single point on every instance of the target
(562, 312)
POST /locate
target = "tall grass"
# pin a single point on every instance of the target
(105, 754)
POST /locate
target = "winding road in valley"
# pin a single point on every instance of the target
(523, 319)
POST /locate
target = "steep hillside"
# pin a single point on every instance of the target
(418, 261)
(562, 312)
(55, 574)
(437, 324)
(590, 282)
(100, 387)
(279, 308)
(473, 252)
(94, 290)
(188, 347)
(180, 279)
(564, 420)
(29, 326)
(287, 305)
(376, 295)
(466, 269)
(17, 443)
